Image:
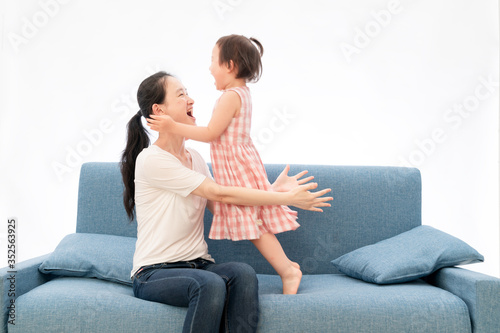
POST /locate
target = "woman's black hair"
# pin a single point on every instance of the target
(151, 91)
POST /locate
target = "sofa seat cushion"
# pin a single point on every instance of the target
(324, 303)
(74, 304)
(338, 303)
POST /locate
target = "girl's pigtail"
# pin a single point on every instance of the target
(259, 45)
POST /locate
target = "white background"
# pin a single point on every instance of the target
(366, 82)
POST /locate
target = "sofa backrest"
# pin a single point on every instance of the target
(370, 204)
(100, 201)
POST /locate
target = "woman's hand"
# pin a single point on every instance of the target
(304, 199)
(161, 123)
(285, 183)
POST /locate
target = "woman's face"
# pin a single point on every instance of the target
(178, 104)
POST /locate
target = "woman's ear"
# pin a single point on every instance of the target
(157, 110)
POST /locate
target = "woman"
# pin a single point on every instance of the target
(170, 185)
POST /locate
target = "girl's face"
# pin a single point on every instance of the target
(178, 104)
(221, 73)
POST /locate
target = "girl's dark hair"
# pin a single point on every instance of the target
(151, 91)
(244, 54)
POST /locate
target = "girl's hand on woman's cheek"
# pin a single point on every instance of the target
(160, 123)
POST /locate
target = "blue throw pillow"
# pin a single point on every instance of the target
(407, 256)
(105, 257)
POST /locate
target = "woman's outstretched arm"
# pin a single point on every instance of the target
(300, 197)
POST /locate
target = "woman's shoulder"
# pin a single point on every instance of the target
(199, 163)
(195, 155)
(151, 151)
(193, 151)
(154, 156)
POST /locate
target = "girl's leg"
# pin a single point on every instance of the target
(271, 249)
(203, 292)
(242, 308)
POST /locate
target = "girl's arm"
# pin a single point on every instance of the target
(225, 110)
(285, 183)
(299, 197)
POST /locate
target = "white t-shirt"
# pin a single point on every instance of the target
(169, 217)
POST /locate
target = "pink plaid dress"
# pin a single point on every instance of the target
(236, 162)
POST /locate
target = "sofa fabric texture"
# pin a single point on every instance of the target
(84, 285)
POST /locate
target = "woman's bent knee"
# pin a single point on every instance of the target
(209, 286)
(245, 274)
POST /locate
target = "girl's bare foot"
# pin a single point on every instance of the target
(291, 280)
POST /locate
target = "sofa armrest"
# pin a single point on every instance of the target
(479, 291)
(16, 282)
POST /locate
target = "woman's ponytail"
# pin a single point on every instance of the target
(151, 91)
(137, 140)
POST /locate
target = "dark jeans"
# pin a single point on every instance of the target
(219, 297)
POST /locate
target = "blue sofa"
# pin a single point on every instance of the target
(84, 285)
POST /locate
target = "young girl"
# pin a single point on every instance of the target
(236, 60)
